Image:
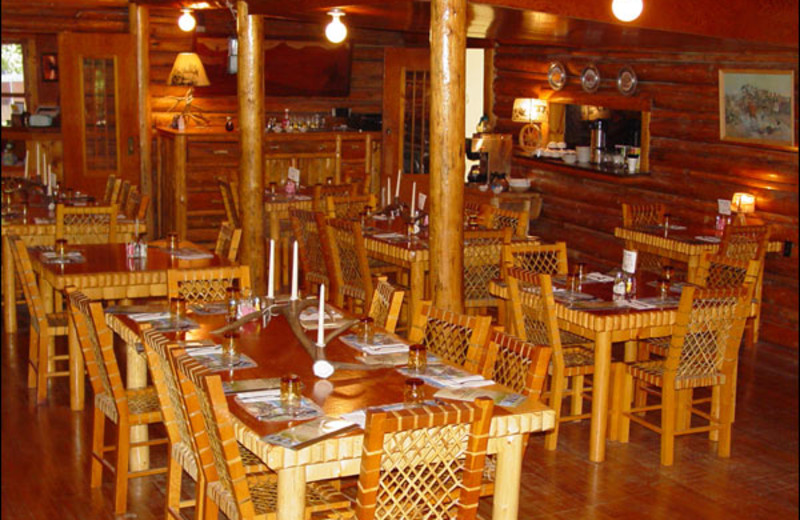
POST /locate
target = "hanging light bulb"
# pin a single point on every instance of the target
(187, 22)
(627, 10)
(336, 31)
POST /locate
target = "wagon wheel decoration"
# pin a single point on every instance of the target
(530, 137)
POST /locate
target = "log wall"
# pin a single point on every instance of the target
(690, 166)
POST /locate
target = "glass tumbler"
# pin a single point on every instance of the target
(172, 240)
(417, 358)
(412, 391)
(290, 391)
(367, 330)
(230, 350)
(177, 308)
(61, 247)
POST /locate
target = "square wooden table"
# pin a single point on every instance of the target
(277, 351)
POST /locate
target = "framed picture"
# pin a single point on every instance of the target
(757, 107)
(49, 67)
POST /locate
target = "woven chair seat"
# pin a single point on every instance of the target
(652, 372)
(568, 338)
(57, 322)
(379, 266)
(143, 405)
(657, 346)
(577, 361)
(250, 461)
(184, 455)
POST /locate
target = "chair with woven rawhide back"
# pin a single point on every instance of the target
(348, 266)
(534, 312)
(45, 326)
(229, 488)
(206, 285)
(496, 218)
(87, 224)
(112, 189)
(230, 200)
(349, 206)
(451, 336)
(702, 353)
(436, 474)
(537, 258)
(112, 402)
(182, 455)
(482, 261)
(319, 192)
(228, 240)
(519, 365)
(643, 215)
(310, 249)
(124, 193)
(387, 300)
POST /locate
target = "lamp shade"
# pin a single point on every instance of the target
(188, 71)
(529, 110)
(743, 203)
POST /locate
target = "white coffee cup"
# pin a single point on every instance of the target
(633, 164)
(584, 154)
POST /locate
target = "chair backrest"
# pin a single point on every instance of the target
(707, 332)
(537, 258)
(228, 240)
(212, 428)
(349, 206)
(451, 336)
(350, 274)
(517, 364)
(533, 310)
(715, 271)
(320, 191)
(387, 300)
(642, 214)
(423, 462)
(97, 345)
(309, 247)
(26, 276)
(131, 204)
(744, 242)
(230, 201)
(497, 218)
(482, 263)
(206, 285)
(124, 193)
(112, 183)
(165, 381)
(87, 224)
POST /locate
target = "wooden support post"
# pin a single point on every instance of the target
(140, 28)
(448, 61)
(251, 122)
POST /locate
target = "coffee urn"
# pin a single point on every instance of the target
(598, 141)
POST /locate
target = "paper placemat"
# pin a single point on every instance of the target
(500, 397)
(708, 238)
(381, 344)
(308, 433)
(213, 360)
(270, 408)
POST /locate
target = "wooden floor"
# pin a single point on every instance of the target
(45, 459)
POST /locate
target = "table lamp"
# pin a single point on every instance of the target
(742, 204)
(188, 71)
(533, 112)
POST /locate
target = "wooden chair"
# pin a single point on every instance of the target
(537, 258)
(348, 207)
(130, 206)
(182, 455)
(496, 218)
(387, 300)
(124, 193)
(310, 249)
(534, 312)
(519, 365)
(482, 262)
(45, 327)
(348, 267)
(228, 242)
(702, 353)
(320, 191)
(645, 215)
(229, 488)
(112, 402)
(112, 184)
(206, 285)
(230, 199)
(438, 472)
(87, 225)
(451, 336)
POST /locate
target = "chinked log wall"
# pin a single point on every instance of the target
(690, 166)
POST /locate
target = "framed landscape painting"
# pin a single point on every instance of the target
(757, 107)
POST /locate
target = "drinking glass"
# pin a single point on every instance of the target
(663, 288)
(172, 240)
(61, 247)
(367, 330)
(230, 352)
(232, 298)
(667, 272)
(177, 308)
(412, 391)
(417, 358)
(580, 271)
(290, 392)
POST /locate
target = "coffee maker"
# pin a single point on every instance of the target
(494, 153)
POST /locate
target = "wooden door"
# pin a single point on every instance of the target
(406, 108)
(99, 118)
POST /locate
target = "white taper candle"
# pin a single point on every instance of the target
(271, 281)
(321, 317)
(397, 188)
(27, 158)
(294, 271)
(413, 198)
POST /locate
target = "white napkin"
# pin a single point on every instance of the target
(259, 395)
(599, 277)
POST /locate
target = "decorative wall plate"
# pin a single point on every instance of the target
(557, 75)
(590, 79)
(627, 81)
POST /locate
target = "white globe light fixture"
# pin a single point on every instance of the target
(336, 31)
(187, 22)
(627, 10)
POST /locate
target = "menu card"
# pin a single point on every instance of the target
(724, 206)
(629, 261)
(271, 408)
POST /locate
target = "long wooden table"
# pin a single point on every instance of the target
(605, 328)
(277, 351)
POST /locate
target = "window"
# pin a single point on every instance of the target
(14, 92)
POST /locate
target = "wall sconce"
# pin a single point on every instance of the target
(742, 204)
(627, 10)
(233, 55)
(186, 21)
(336, 31)
(533, 112)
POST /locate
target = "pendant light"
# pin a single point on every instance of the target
(187, 22)
(627, 10)
(336, 31)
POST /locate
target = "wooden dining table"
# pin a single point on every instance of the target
(106, 273)
(604, 326)
(277, 351)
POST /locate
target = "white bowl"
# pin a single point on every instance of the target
(570, 158)
(483, 187)
(519, 184)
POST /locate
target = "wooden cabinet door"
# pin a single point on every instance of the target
(406, 109)
(98, 109)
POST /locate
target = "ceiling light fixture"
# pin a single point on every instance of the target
(336, 31)
(187, 22)
(627, 10)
